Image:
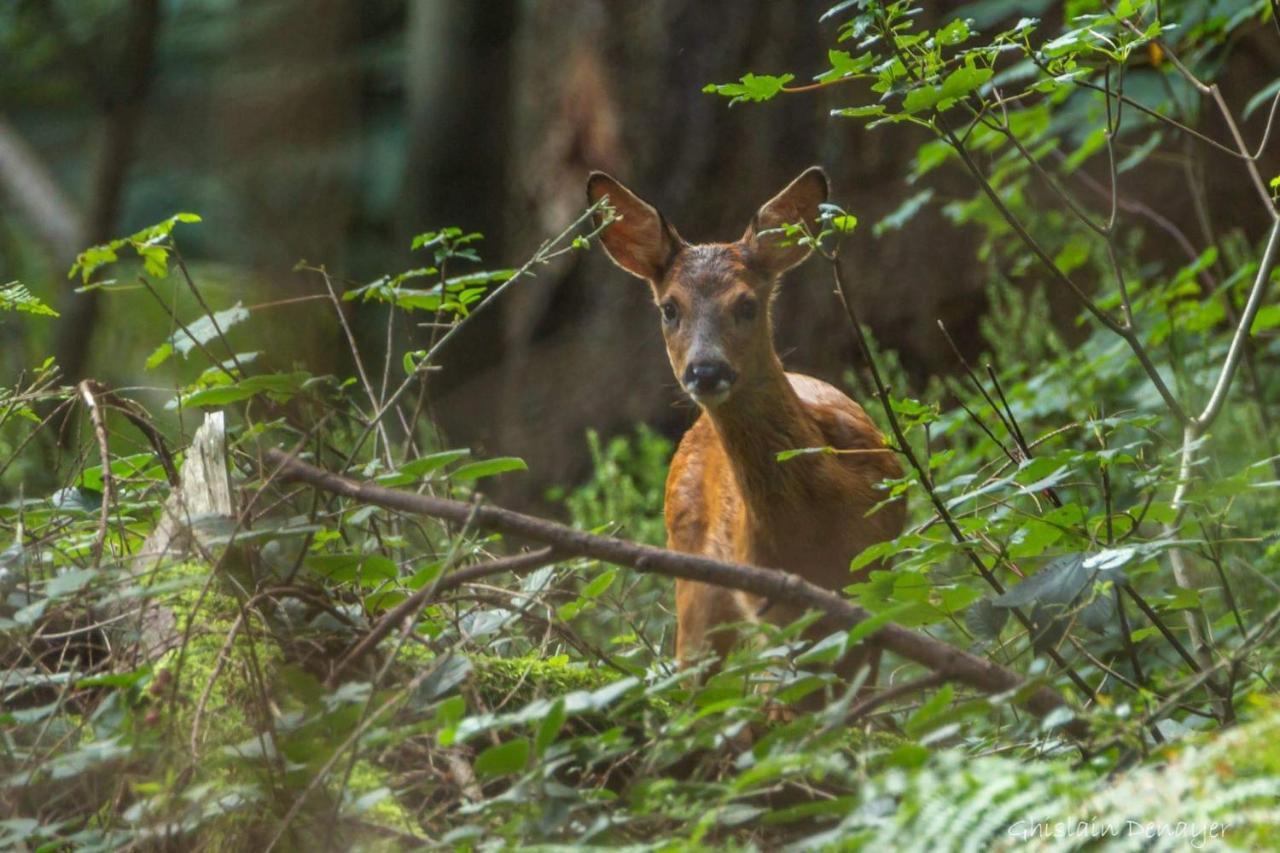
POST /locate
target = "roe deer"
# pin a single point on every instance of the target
(727, 496)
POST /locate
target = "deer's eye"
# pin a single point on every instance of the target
(670, 311)
(745, 309)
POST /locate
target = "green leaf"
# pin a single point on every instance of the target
(869, 626)
(503, 759)
(825, 651)
(956, 32)
(921, 721)
(280, 386)
(921, 98)
(135, 466)
(752, 87)
(147, 243)
(1262, 96)
(475, 278)
(448, 715)
(489, 467)
(367, 569)
(417, 469)
(599, 584)
(953, 599)
(859, 112)
(68, 582)
(844, 223)
(1032, 538)
(843, 65)
(1140, 153)
(904, 213)
(784, 455)
(1093, 143)
(199, 333)
(122, 679)
(964, 80)
(550, 727)
(1268, 317)
(1073, 255)
(1182, 599)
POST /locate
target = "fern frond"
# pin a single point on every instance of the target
(14, 296)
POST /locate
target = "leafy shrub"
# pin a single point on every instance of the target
(199, 653)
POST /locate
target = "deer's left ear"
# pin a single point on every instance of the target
(798, 203)
(640, 240)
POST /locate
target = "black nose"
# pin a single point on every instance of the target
(708, 377)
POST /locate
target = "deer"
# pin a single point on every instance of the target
(727, 496)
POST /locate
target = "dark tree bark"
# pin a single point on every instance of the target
(123, 111)
(618, 87)
(287, 144)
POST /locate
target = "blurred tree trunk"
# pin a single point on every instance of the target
(121, 92)
(618, 87)
(457, 88)
(289, 142)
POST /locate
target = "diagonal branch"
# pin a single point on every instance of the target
(949, 662)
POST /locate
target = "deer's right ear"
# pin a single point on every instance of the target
(640, 241)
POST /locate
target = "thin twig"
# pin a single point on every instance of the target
(517, 563)
(545, 253)
(897, 691)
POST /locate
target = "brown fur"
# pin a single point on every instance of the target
(727, 496)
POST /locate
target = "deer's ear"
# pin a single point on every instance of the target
(776, 253)
(640, 241)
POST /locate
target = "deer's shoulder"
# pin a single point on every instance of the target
(844, 424)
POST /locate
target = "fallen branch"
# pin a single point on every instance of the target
(949, 662)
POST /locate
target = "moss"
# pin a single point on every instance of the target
(233, 710)
(251, 685)
(366, 779)
(514, 680)
(524, 679)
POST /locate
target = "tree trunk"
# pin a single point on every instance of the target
(618, 87)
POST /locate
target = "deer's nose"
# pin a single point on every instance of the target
(708, 378)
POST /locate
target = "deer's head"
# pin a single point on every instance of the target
(713, 298)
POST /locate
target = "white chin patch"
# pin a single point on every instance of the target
(712, 399)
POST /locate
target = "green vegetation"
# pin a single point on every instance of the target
(1094, 506)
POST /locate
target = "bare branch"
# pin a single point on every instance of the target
(1219, 395)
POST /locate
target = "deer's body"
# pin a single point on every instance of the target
(727, 494)
(728, 497)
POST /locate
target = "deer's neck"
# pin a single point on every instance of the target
(761, 419)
